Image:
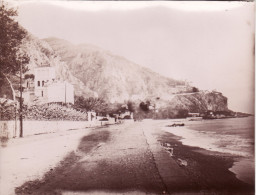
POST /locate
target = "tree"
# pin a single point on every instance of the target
(145, 106)
(182, 113)
(12, 60)
(194, 89)
(90, 104)
(131, 106)
(29, 76)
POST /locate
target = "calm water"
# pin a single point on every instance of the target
(234, 135)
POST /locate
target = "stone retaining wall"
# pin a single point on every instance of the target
(7, 128)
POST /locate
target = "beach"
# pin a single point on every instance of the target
(143, 158)
(232, 137)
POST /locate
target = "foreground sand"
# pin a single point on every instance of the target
(138, 158)
(29, 158)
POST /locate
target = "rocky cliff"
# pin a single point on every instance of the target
(200, 102)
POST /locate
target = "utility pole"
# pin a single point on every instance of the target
(21, 115)
(65, 93)
(15, 118)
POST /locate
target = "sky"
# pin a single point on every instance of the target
(210, 44)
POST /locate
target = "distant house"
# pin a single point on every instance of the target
(195, 114)
(46, 89)
(209, 115)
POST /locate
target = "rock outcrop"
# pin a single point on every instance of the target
(200, 102)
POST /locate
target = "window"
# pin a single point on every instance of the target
(42, 83)
(38, 83)
(42, 93)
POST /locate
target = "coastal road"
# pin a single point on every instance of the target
(135, 158)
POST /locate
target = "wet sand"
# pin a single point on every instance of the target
(242, 168)
(208, 170)
(232, 137)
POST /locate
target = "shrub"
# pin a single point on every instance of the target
(127, 117)
(103, 119)
(53, 112)
(194, 89)
(7, 109)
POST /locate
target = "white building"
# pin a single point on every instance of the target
(60, 92)
(43, 76)
(47, 89)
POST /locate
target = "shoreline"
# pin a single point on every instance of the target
(239, 168)
(243, 166)
(208, 171)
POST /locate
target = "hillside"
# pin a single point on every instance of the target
(95, 72)
(110, 76)
(41, 54)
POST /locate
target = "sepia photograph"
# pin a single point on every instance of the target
(127, 97)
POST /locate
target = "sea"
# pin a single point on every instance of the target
(235, 136)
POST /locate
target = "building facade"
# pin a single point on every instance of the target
(46, 89)
(43, 77)
(60, 92)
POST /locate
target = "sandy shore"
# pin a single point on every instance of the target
(243, 163)
(29, 158)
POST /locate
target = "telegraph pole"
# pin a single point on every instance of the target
(65, 93)
(21, 115)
